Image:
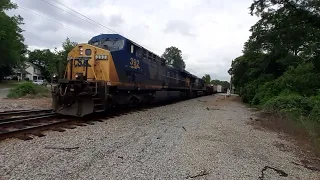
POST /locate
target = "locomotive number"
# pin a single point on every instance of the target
(134, 63)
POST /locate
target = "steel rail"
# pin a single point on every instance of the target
(25, 118)
(23, 112)
(35, 129)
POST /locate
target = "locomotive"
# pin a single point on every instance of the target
(111, 70)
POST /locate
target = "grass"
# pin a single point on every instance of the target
(28, 89)
(9, 84)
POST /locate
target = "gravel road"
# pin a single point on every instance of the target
(24, 103)
(203, 138)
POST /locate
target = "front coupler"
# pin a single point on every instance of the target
(72, 98)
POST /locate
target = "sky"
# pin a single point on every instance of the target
(210, 33)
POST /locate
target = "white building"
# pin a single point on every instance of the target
(31, 72)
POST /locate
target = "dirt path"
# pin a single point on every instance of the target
(4, 92)
(203, 138)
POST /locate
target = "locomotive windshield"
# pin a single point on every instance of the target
(109, 44)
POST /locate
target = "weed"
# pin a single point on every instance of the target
(28, 89)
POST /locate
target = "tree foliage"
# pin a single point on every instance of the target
(207, 78)
(225, 84)
(14, 52)
(280, 65)
(52, 62)
(173, 56)
(67, 46)
(12, 48)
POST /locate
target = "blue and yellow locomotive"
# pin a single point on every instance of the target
(111, 70)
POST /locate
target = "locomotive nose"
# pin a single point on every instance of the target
(80, 63)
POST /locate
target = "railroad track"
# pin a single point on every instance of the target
(25, 124)
(9, 114)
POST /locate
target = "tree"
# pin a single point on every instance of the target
(67, 46)
(207, 78)
(225, 84)
(42, 59)
(283, 52)
(51, 63)
(12, 48)
(173, 56)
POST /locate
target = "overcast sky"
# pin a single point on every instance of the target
(210, 33)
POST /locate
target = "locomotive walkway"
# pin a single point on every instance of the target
(204, 138)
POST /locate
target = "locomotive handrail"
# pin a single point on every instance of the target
(65, 91)
(96, 89)
(102, 72)
(65, 72)
(94, 73)
(95, 77)
(175, 78)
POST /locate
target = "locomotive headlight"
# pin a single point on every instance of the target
(76, 76)
(81, 50)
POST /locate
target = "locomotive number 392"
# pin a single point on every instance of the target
(134, 63)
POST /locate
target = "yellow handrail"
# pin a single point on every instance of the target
(65, 72)
(103, 72)
(94, 73)
(95, 77)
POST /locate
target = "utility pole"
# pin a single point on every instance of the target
(231, 84)
(231, 78)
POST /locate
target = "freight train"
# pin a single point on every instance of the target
(111, 70)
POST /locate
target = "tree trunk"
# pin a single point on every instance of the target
(1, 75)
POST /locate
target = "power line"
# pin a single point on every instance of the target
(68, 27)
(60, 3)
(71, 13)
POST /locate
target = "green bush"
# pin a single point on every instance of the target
(266, 92)
(294, 104)
(27, 88)
(301, 79)
(250, 89)
(314, 106)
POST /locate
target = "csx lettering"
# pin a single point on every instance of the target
(134, 64)
(81, 63)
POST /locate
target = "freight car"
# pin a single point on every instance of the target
(111, 70)
(211, 89)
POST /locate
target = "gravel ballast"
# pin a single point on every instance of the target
(24, 103)
(202, 138)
